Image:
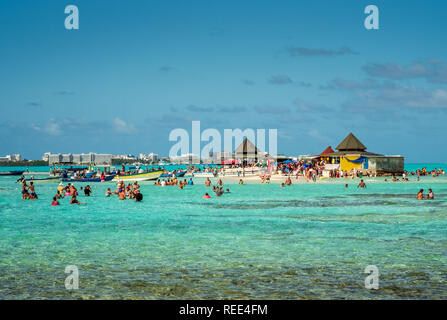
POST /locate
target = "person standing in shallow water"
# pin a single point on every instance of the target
(420, 195)
(87, 190)
(362, 184)
(75, 201)
(431, 195)
(207, 182)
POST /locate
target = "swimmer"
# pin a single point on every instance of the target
(55, 202)
(241, 181)
(228, 191)
(282, 184)
(108, 192)
(206, 196)
(346, 186)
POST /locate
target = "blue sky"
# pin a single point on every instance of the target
(135, 70)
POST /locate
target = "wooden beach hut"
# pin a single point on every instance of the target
(351, 154)
(247, 152)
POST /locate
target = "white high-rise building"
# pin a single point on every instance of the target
(46, 156)
(14, 157)
(152, 157)
(82, 158)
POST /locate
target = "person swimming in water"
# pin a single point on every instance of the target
(55, 202)
(241, 181)
(206, 196)
(431, 195)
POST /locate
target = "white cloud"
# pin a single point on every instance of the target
(122, 126)
(52, 128)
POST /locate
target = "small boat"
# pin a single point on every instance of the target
(97, 179)
(177, 175)
(145, 176)
(44, 180)
(11, 173)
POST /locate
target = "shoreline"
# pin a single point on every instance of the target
(277, 179)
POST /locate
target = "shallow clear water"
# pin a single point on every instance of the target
(305, 241)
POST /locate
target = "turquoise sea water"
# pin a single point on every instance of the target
(306, 241)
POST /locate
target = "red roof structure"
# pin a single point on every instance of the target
(327, 150)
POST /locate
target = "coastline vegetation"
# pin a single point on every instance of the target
(24, 163)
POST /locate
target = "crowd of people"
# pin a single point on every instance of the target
(174, 182)
(70, 191)
(424, 172)
(217, 189)
(131, 191)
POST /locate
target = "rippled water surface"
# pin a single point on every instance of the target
(306, 241)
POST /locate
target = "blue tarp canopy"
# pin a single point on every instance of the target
(289, 161)
(358, 160)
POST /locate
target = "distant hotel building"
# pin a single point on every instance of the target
(13, 157)
(187, 158)
(151, 157)
(78, 159)
(124, 157)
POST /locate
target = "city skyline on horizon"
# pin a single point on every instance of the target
(133, 73)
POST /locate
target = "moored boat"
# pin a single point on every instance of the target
(145, 176)
(97, 179)
(177, 175)
(44, 180)
(11, 173)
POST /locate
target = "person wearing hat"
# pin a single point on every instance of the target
(60, 189)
